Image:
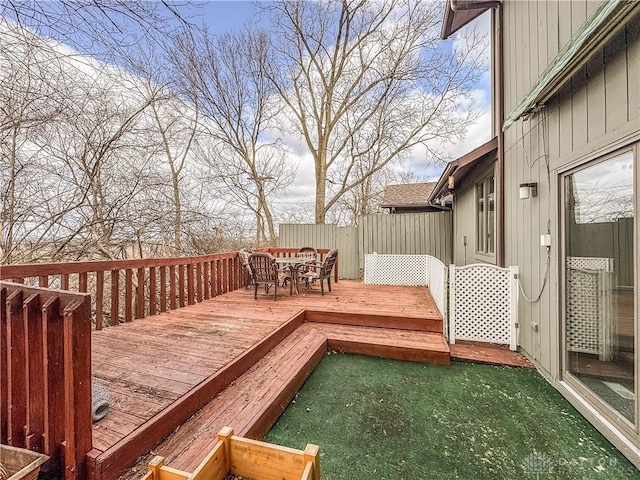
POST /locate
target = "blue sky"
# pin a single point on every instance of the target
(223, 16)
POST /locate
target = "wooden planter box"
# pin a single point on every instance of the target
(248, 458)
(20, 464)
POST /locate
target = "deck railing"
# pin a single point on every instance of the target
(122, 290)
(45, 375)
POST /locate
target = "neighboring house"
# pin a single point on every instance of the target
(561, 197)
(409, 198)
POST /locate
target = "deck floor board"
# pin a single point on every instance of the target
(186, 345)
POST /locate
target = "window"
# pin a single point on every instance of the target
(485, 215)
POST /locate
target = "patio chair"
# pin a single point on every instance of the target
(308, 253)
(247, 276)
(265, 272)
(321, 271)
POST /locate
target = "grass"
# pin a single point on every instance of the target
(384, 419)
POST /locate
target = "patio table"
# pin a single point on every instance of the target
(294, 263)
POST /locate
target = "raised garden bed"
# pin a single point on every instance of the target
(245, 458)
(20, 464)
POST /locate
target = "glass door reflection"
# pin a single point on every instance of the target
(599, 281)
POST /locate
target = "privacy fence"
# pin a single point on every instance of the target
(406, 234)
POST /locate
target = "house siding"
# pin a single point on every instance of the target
(465, 221)
(600, 105)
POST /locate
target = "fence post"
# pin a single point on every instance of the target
(513, 274)
(452, 304)
(428, 271)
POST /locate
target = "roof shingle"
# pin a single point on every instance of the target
(410, 194)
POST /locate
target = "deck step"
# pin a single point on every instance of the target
(252, 403)
(424, 323)
(415, 346)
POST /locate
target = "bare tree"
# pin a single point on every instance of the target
(367, 82)
(30, 99)
(366, 197)
(103, 28)
(227, 75)
(174, 122)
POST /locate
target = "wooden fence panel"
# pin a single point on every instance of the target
(347, 245)
(307, 235)
(405, 234)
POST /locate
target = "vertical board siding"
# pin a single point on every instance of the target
(392, 234)
(615, 74)
(597, 107)
(405, 234)
(633, 72)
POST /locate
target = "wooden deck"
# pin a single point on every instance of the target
(251, 355)
(160, 367)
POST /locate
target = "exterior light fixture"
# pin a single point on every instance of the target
(528, 190)
(452, 182)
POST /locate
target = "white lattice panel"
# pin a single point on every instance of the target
(483, 304)
(437, 280)
(589, 305)
(409, 270)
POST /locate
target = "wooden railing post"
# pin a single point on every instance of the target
(77, 385)
(219, 277)
(199, 282)
(53, 366)
(115, 297)
(4, 370)
(32, 315)
(99, 298)
(181, 285)
(141, 297)
(172, 287)
(225, 275)
(128, 295)
(152, 291)
(163, 289)
(206, 281)
(312, 454)
(17, 360)
(190, 284)
(83, 282)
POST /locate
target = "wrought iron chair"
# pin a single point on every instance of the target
(308, 252)
(310, 255)
(247, 276)
(265, 272)
(321, 271)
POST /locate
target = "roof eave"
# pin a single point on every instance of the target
(458, 13)
(474, 155)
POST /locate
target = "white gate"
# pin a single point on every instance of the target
(483, 304)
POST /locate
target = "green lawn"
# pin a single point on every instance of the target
(385, 419)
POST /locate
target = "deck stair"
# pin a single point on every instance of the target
(255, 400)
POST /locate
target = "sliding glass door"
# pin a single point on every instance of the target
(600, 205)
